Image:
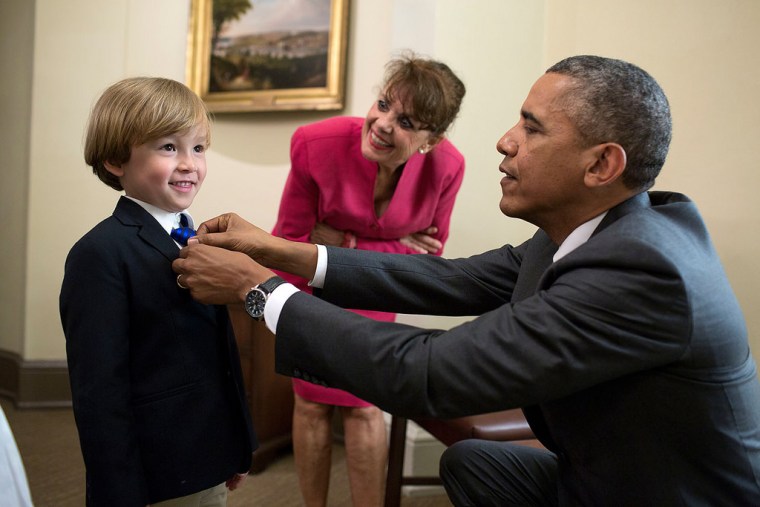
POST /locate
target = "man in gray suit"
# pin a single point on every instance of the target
(614, 327)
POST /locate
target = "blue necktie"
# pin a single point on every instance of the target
(182, 233)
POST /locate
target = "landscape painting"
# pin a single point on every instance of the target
(264, 55)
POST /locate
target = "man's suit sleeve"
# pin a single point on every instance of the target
(514, 354)
(421, 284)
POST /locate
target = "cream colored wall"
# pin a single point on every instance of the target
(80, 47)
(17, 36)
(499, 47)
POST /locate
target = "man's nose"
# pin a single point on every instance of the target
(507, 146)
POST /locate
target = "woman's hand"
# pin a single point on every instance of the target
(423, 241)
(323, 234)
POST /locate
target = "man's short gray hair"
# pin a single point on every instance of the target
(616, 101)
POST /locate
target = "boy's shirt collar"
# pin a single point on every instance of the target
(167, 219)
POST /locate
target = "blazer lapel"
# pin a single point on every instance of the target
(540, 253)
(538, 257)
(535, 262)
(132, 214)
(638, 201)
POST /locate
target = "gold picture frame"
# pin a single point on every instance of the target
(295, 67)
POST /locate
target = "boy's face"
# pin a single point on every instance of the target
(166, 172)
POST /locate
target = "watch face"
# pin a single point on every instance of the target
(255, 301)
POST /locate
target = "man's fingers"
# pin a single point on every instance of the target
(216, 224)
(204, 238)
(209, 226)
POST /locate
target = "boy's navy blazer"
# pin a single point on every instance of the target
(157, 388)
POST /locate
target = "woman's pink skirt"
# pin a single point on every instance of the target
(326, 395)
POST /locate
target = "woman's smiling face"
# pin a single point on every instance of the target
(390, 135)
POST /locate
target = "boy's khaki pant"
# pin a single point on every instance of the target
(212, 497)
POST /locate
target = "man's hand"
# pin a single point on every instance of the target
(217, 276)
(233, 233)
(423, 241)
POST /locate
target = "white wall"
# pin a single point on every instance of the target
(17, 36)
(702, 54)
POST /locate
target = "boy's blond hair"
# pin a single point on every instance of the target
(134, 111)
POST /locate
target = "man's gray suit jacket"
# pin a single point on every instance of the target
(629, 355)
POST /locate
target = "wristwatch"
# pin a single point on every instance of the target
(256, 299)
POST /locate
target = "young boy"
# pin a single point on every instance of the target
(157, 388)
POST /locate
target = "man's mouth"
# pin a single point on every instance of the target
(507, 175)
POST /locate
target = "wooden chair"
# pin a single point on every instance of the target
(505, 426)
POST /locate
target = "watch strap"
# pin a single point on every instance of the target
(270, 285)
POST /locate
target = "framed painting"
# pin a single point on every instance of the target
(268, 55)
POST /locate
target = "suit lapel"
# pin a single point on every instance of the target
(132, 214)
(634, 203)
(537, 258)
(540, 253)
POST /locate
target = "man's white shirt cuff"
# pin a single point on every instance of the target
(281, 294)
(275, 302)
(321, 270)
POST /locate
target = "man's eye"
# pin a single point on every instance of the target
(529, 130)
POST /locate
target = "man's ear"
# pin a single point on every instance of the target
(114, 169)
(607, 164)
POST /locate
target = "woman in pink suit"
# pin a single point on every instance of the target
(386, 182)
